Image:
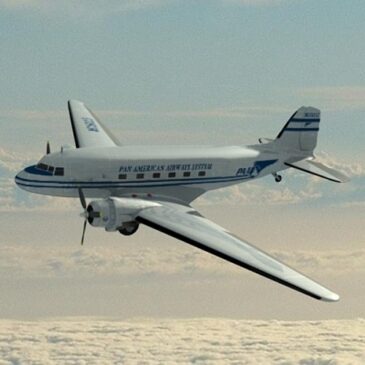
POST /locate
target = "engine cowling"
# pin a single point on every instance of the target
(113, 213)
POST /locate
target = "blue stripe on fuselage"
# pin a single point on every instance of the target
(117, 184)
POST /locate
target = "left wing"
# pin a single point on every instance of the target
(87, 129)
(186, 224)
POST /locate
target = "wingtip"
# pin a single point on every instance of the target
(331, 297)
(345, 179)
(341, 177)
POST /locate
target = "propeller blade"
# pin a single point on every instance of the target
(82, 198)
(83, 232)
(48, 148)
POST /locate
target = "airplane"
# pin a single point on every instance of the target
(155, 185)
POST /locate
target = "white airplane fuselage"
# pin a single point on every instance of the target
(184, 172)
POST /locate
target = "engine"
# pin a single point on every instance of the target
(117, 213)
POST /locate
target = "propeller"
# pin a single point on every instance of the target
(82, 199)
(85, 214)
(48, 148)
(89, 214)
(83, 232)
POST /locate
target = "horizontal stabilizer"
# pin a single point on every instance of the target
(319, 169)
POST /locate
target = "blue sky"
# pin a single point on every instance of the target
(177, 54)
(191, 72)
(212, 57)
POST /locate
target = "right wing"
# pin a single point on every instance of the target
(87, 129)
(186, 224)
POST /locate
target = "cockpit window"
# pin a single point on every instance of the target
(59, 171)
(42, 166)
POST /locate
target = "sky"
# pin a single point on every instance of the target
(184, 72)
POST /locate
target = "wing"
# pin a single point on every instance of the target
(316, 168)
(87, 129)
(186, 224)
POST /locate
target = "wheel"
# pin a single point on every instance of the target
(278, 178)
(129, 228)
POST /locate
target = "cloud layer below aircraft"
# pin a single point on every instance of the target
(190, 341)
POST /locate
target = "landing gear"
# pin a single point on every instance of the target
(129, 228)
(277, 177)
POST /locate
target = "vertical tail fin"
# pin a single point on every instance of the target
(301, 130)
(300, 135)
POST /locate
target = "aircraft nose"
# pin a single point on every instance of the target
(19, 176)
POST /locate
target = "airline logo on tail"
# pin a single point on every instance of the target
(90, 124)
(253, 171)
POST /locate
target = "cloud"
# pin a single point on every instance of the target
(333, 262)
(11, 162)
(261, 193)
(352, 169)
(24, 261)
(354, 204)
(336, 97)
(11, 197)
(182, 341)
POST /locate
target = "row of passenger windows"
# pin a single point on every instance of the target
(57, 171)
(157, 175)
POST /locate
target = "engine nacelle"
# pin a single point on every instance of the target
(112, 213)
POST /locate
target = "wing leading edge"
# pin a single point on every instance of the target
(88, 131)
(186, 224)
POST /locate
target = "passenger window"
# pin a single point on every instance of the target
(186, 173)
(50, 168)
(122, 176)
(172, 174)
(156, 175)
(140, 176)
(59, 171)
(201, 173)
